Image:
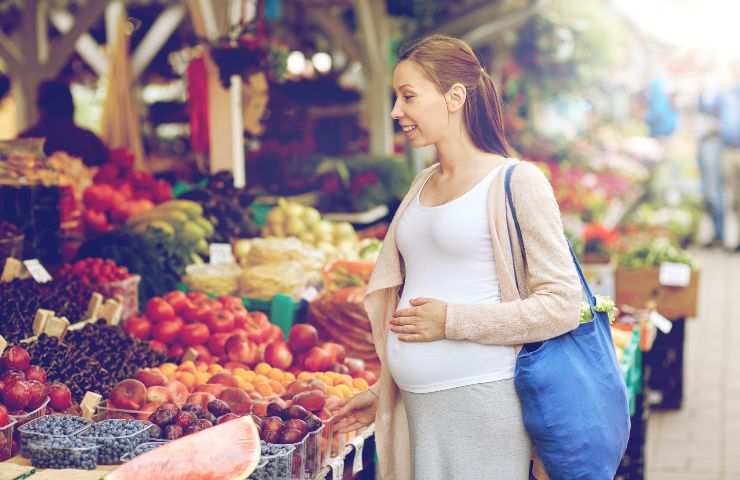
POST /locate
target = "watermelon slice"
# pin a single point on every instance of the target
(229, 451)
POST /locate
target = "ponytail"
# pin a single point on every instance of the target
(484, 119)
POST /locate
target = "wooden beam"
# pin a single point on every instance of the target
(86, 46)
(9, 53)
(165, 24)
(208, 16)
(112, 11)
(29, 33)
(66, 44)
(340, 35)
(42, 32)
(367, 25)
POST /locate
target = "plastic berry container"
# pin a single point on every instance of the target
(125, 291)
(116, 438)
(315, 453)
(61, 453)
(141, 449)
(278, 463)
(6, 441)
(49, 428)
(30, 416)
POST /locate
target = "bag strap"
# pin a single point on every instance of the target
(510, 204)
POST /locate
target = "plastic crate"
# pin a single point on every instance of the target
(80, 455)
(30, 416)
(259, 212)
(282, 310)
(277, 463)
(29, 432)
(6, 441)
(632, 369)
(296, 459)
(112, 448)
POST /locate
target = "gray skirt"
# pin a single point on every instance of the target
(468, 433)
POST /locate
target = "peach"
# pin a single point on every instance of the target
(151, 377)
(313, 400)
(201, 398)
(187, 379)
(238, 401)
(225, 379)
(212, 388)
(178, 392)
(129, 394)
(239, 349)
(158, 394)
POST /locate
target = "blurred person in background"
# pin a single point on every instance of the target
(725, 106)
(56, 124)
(7, 109)
(709, 160)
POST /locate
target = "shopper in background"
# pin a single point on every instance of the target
(709, 159)
(56, 124)
(443, 303)
(725, 106)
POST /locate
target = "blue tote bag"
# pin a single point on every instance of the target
(573, 395)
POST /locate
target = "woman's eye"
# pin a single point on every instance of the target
(408, 97)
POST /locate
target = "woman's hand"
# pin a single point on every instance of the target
(423, 322)
(357, 412)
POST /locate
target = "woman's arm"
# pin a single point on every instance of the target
(553, 306)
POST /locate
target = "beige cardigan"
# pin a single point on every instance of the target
(551, 306)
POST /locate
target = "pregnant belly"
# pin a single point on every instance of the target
(429, 365)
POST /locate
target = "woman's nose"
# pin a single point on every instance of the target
(396, 112)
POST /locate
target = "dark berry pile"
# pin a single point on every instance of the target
(63, 453)
(116, 438)
(93, 359)
(20, 299)
(49, 428)
(143, 448)
(279, 462)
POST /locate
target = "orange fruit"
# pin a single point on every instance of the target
(187, 366)
(187, 378)
(261, 380)
(263, 368)
(306, 376)
(346, 391)
(264, 389)
(288, 377)
(360, 384)
(215, 368)
(325, 379)
(275, 374)
(168, 368)
(242, 383)
(240, 372)
(248, 387)
(201, 378)
(277, 387)
(334, 392)
(344, 380)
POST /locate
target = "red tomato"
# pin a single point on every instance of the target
(194, 334)
(199, 314)
(176, 350)
(220, 321)
(178, 300)
(272, 334)
(158, 346)
(158, 310)
(168, 330)
(138, 327)
(230, 302)
(196, 296)
(217, 342)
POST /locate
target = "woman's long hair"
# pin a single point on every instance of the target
(446, 61)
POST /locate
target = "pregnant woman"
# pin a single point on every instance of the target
(447, 319)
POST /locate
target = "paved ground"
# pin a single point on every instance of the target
(702, 441)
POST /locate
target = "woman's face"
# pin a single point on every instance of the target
(420, 108)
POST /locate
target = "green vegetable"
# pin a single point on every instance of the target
(603, 304)
(654, 252)
(159, 260)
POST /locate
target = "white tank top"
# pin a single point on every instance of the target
(448, 255)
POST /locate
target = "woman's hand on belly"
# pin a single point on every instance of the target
(424, 321)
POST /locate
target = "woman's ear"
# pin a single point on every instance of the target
(456, 96)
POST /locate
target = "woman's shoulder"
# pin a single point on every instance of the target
(527, 176)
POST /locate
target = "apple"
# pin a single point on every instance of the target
(318, 360)
(4, 417)
(220, 321)
(17, 395)
(34, 372)
(38, 394)
(151, 377)
(278, 355)
(338, 352)
(60, 398)
(217, 343)
(129, 394)
(302, 337)
(17, 358)
(240, 349)
(194, 334)
(313, 400)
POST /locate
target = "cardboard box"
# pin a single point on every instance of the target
(635, 287)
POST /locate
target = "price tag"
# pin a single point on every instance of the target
(221, 253)
(3, 344)
(337, 468)
(37, 271)
(93, 307)
(89, 404)
(111, 311)
(674, 274)
(358, 443)
(39, 320)
(56, 326)
(11, 270)
(660, 322)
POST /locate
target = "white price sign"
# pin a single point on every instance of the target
(37, 271)
(660, 322)
(221, 253)
(358, 443)
(337, 468)
(674, 274)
